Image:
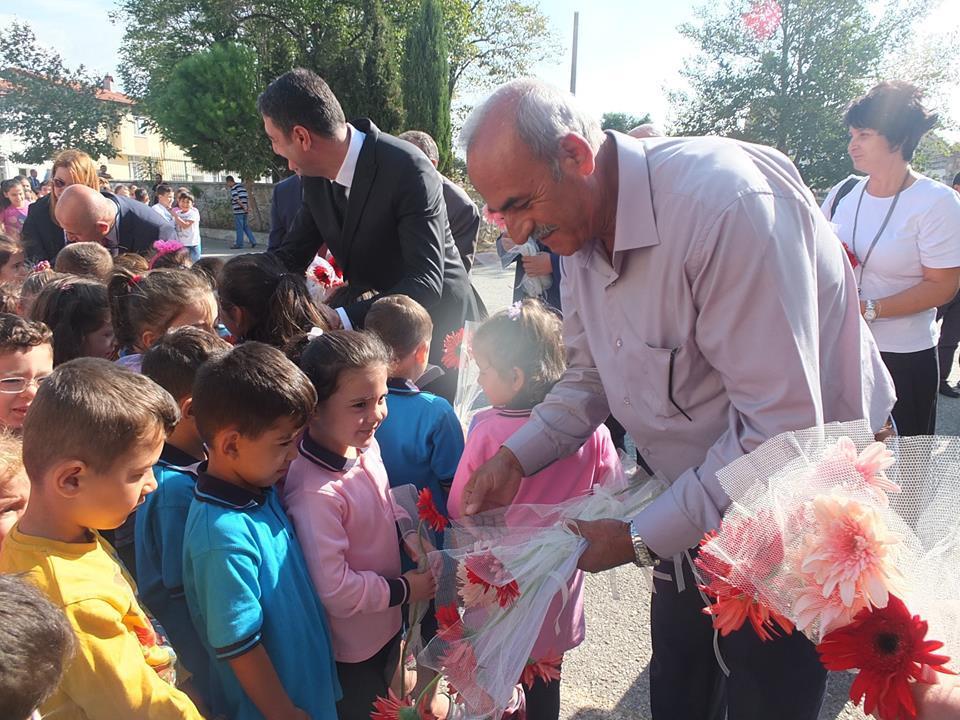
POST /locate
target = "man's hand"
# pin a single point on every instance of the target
(610, 544)
(537, 265)
(494, 484)
(937, 702)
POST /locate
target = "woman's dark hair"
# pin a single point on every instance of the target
(526, 336)
(277, 302)
(301, 97)
(326, 357)
(150, 301)
(73, 307)
(894, 109)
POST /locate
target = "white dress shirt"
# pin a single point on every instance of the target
(726, 315)
(345, 178)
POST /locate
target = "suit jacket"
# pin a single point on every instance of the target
(286, 202)
(139, 226)
(464, 219)
(395, 238)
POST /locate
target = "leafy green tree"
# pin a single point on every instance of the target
(208, 106)
(624, 122)
(383, 101)
(50, 106)
(782, 73)
(425, 77)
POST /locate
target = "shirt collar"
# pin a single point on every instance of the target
(319, 455)
(402, 386)
(514, 412)
(636, 221)
(213, 490)
(349, 166)
(174, 457)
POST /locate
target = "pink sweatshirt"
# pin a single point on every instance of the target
(573, 476)
(344, 519)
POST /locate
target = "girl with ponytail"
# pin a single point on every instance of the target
(260, 300)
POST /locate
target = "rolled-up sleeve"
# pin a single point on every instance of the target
(755, 285)
(573, 409)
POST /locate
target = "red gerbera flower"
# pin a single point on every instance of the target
(452, 349)
(547, 670)
(851, 255)
(506, 588)
(428, 511)
(887, 646)
(449, 625)
(459, 665)
(393, 708)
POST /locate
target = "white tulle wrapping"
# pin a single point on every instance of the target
(538, 547)
(770, 487)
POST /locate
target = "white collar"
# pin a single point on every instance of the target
(349, 166)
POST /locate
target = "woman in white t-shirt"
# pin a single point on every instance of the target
(902, 233)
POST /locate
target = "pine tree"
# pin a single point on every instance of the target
(384, 100)
(426, 93)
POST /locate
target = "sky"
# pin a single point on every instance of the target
(630, 52)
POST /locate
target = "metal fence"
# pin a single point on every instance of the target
(144, 168)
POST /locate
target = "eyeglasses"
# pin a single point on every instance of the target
(16, 385)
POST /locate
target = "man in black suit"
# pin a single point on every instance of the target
(376, 202)
(462, 213)
(284, 206)
(120, 224)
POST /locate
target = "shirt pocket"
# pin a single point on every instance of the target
(659, 368)
(677, 380)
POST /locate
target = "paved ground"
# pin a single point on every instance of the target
(606, 678)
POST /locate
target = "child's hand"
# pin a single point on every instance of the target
(423, 585)
(417, 548)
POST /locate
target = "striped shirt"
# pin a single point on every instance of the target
(238, 198)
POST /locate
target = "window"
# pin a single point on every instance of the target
(141, 126)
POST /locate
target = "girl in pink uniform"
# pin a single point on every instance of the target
(519, 353)
(337, 494)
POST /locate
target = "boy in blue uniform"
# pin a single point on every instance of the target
(246, 581)
(421, 439)
(172, 363)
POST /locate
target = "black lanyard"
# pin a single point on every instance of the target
(883, 225)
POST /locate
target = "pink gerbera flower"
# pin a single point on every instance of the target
(869, 464)
(850, 551)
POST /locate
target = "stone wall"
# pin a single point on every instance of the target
(213, 202)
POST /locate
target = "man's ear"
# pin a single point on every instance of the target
(576, 153)
(301, 136)
(103, 227)
(68, 476)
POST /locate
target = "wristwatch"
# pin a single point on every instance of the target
(871, 310)
(641, 554)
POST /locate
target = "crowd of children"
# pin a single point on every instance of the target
(196, 474)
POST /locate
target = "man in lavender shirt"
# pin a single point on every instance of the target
(708, 307)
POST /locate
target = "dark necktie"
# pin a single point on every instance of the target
(340, 201)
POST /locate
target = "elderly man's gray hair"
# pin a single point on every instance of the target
(423, 141)
(544, 115)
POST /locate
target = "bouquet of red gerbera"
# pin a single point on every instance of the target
(837, 535)
(323, 277)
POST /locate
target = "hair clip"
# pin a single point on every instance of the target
(42, 266)
(515, 310)
(315, 332)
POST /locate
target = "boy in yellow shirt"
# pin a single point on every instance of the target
(90, 441)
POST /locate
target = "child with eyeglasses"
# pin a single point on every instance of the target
(26, 359)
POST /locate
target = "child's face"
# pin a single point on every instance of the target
(105, 499)
(21, 372)
(15, 195)
(165, 200)
(15, 269)
(14, 494)
(498, 389)
(201, 314)
(262, 461)
(350, 417)
(185, 204)
(101, 343)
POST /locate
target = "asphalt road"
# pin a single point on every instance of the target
(606, 678)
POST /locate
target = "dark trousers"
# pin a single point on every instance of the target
(915, 378)
(777, 680)
(543, 700)
(364, 682)
(949, 335)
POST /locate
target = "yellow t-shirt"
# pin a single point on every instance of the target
(119, 668)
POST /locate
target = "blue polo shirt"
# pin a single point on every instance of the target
(159, 543)
(421, 440)
(247, 584)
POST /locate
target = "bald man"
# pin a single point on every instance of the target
(120, 224)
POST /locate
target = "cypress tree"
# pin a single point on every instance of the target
(426, 94)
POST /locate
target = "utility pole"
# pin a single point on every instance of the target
(573, 61)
